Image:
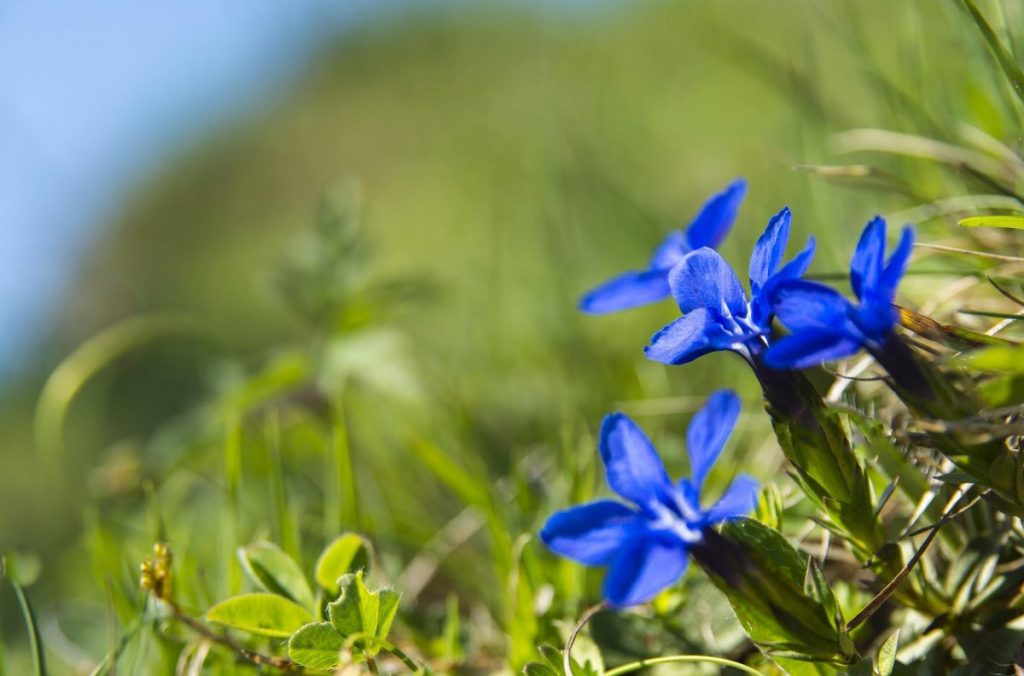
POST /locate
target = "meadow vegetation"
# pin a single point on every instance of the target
(325, 377)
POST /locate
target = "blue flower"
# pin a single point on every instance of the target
(640, 287)
(827, 326)
(645, 544)
(716, 312)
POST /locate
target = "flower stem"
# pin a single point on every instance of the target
(587, 614)
(881, 597)
(651, 661)
(258, 659)
(409, 662)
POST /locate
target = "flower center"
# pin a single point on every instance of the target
(684, 524)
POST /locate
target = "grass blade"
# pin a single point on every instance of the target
(284, 523)
(1011, 69)
(991, 313)
(1015, 222)
(89, 359)
(922, 147)
(346, 510)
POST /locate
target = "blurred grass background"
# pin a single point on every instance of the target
(506, 160)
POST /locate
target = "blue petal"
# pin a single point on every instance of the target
(761, 303)
(632, 466)
(692, 335)
(798, 266)
(592, 533)
(738, 500)
(800, 304)
(643, 568)
(710, 226)
(897, 265)
(810, 347)
(768, 250)
(628, 290)
(868, 258)
(670, 251)
(708, 432)
(704, 280)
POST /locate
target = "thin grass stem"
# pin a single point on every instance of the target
(652, 661)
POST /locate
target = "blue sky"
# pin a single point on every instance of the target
(94, 93)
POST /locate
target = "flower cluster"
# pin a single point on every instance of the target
(646, 543)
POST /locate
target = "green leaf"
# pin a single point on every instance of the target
(887, 654)
(553, 661)
(261, 614)
(360, 612)
(1015, 222)
(773, 547)
(765, 578)
(817, 588)
(792, 667)
(276, 572)
(956, 477)
(346, 554)
(552, 657)
(1002, 390)
(769, 507)
(316, 646)
(996, 359)
(862, 668)
(538, 669)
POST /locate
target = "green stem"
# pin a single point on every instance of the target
(3, 660)
(567, 653)
(36, 642)
(233, 481)
(409, 662)
(255, 658)
(651, 661)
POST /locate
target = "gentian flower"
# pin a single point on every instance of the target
(716, 313)
(640, 287)
(827, 326)
(645, 544)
